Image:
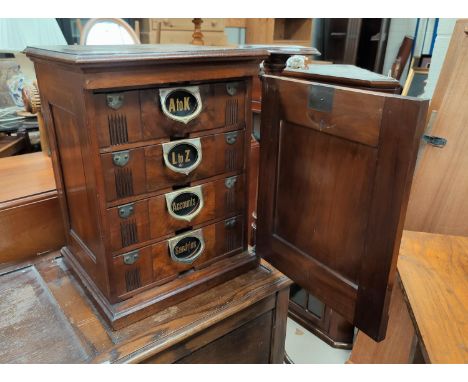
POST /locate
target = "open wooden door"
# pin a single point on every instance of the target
(336, 166)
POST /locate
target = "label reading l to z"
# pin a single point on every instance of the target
(181, 104)
(182, 156)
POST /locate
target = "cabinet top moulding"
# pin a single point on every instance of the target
(109, 55)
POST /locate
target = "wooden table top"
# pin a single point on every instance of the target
(46, 317)
(434, 274)
(32, 171)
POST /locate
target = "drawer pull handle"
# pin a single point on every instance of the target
(126, 210)
(115, 100)
(130, 257)
(121, 158)
(231, 137)
(230, 182)
(230, 223)
(186, 203)
(188, 247)
(182, 156)
(231, 88)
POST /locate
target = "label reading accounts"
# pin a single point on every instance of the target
(185, 204)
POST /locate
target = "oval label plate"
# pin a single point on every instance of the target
(182, 156)
(186, 203)
(188, 247)
(181, 104)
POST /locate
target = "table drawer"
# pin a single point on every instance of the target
(166, 260)
(137, 115)
(147, 169)
(151, 218)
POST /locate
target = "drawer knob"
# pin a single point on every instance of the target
(126, 210)
(130, 257)
(231, 137)
(121, 158)
(115, 100)
(231, 88)
(230, 182)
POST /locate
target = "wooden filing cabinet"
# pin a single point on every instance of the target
(151, 152)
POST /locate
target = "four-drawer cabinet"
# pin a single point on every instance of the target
(151, 144)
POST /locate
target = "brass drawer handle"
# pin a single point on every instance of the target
(186, 203)
(187, 248)
(182, 156)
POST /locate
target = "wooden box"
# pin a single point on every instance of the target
(151, 152)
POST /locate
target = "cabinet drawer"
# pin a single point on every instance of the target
(136, 115)
(164, 261)
(151, 218)
(138, 171)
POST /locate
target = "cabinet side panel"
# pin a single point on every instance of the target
(80, 209)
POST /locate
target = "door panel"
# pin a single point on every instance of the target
(334, 188)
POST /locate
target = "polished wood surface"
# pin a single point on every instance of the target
(438, 197)
(433, 271)
(247, 312)
(92, 117)
(341, 176)
(25, 175)
(30, 217)
(398, 347)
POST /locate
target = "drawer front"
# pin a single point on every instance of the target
(151, 218)
(138, 171)
(136, 115)
(157, 264)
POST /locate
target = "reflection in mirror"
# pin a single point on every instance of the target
(108, 32)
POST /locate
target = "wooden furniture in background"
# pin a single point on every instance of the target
(30, 217)
(32, 104)
(240, 321)
(438, 196)
(14, 144)
(279, 31)
(197, 34)
(402, 57)
(180, 31)
(433, 271)
(360, 42)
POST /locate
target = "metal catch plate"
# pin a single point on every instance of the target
(435, 141)
(321, 98)
(130, 257)
(126, 210)
(231, 137)
(115, 100)
(121, 158)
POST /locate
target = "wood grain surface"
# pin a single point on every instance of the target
(433, 269)
(438, 196)
(246, 312)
